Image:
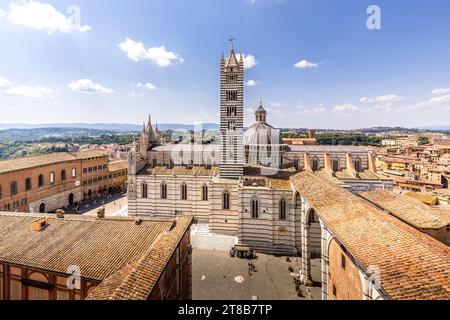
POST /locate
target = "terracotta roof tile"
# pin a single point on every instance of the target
(412, 264)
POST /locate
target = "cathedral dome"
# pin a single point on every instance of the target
(261, 133)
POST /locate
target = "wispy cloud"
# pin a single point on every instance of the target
(10, 89)
(311, 110)
(44, 17)
(88, 86)
(383, 99)
(136, 51)
(441, 91)
(432, 102)
(346, 108)
(147, 86)
(305, 64)
(277, 104)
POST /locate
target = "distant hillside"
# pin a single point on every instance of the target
(110, 127)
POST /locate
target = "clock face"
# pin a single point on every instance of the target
(77, 183)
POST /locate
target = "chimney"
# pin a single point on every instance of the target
(60, 214)
(39, 224)
(312, 134)
(101, 213)
(138, 222)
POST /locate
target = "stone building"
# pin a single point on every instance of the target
(146, 259)
(241, 186)
(49, 182)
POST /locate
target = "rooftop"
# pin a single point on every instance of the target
(47, 159)
(412, 264)
(180, 171)
(117, 165)
(323, 149)
(100, 247)
(408, 209)
(137, 280)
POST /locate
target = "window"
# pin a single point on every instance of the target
(183, 191)
(84, 170)
(357, 163)
(52, 177)
(13, 188)
(62, 295)
(74, 172)
(28, 184)
(315, 164)
(283, 209)
(296, 164)
(231, 95)
(15, 290)
(63, 175)
(343, 261)
(205, 192)
(1, 287)
(226, 200)
(255, 208)
(1, 192)
(163, 190)
(334, 291)
(335, 165)
(144, 190)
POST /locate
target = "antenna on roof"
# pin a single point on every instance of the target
(232, 42)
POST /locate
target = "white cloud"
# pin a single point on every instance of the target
(44, 17)
(9, 89)
(148, 86)
(346, 108)
(249, 61)
(87, 85)
(311, 111)
(136, 51)
(304, 64)
(383, 99)
(31, 92)
(433, 101)
(5, 83)
(251, 83)
(277, 104)
(441, 91)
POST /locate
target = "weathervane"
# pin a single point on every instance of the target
(231, 40)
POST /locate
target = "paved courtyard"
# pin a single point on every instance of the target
(217, 276)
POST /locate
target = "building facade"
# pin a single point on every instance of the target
(49, 182)
(147, 259)
(252, 197)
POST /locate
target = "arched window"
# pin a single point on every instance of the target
(163, 190)
(255, 208)
(13, 188)
(283, 209)
(205, 193)
(28, 184)
(357, 163)
(183, 191)
(52, 177)
(226, 200)
(296, 164)
(144, 190)
(336, 165)
(74, 172)
(41, 180)
(63, 175)
(315, 163)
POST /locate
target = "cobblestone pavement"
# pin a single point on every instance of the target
(217, 276)
(112, 205)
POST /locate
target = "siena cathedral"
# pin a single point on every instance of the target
(241, 186)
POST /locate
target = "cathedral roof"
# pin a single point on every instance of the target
(232, 61)
(261, 133)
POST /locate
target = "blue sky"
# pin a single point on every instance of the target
(314, 63)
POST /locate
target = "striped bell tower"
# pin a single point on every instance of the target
(232, 116)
